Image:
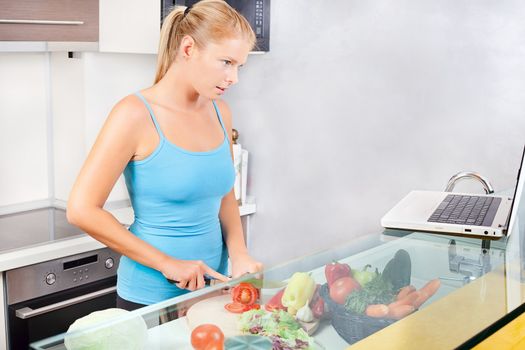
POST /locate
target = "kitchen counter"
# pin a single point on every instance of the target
(481, 287)
(37, 253)
(466, 303)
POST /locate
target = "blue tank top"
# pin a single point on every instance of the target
(176, 196)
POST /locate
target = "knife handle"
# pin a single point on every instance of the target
(207, 280)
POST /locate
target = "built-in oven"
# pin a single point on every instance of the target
(46, 298)
(257, 12)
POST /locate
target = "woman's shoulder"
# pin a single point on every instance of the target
(130, 111)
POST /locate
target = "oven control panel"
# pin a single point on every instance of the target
(52, 276)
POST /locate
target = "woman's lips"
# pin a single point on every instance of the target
(221, 90)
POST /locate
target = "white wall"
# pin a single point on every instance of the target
(78, 93)
(24, 82)
(68, 101)
(359, 102)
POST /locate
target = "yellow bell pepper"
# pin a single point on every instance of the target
(300, 289)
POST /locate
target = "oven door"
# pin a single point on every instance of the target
(52, 314)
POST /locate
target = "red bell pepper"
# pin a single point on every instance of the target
(335, 270)
(318, 308)
(317, 304)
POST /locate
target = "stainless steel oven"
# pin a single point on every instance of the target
(45, 298)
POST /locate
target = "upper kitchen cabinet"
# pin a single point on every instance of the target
(131, 26)
(49, 21)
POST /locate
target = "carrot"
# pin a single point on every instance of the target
(400, 311)
(376, 310)
(406, 300)
(403, 292)
(431, 287)
(421, 299)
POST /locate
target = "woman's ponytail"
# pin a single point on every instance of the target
(167, 46)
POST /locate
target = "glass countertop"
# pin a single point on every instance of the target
(479, 288)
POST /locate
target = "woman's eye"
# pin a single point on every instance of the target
(227, 62)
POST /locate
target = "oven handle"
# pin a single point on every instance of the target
(27, 312)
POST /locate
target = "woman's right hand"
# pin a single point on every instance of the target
(189, 274)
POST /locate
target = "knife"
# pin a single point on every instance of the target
(207, 280)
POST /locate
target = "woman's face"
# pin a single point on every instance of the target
(215, 67)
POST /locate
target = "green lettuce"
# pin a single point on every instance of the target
(279, 325)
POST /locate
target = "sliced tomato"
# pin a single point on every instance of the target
(245, 293)
(254, 307)
(236, 308)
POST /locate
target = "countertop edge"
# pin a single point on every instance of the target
(36, 254)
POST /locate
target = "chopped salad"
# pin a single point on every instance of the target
(281, 327)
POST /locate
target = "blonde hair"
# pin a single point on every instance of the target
(206, 21)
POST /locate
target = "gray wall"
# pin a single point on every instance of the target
(359, 102)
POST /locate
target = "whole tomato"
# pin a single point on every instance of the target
(341, 288)
(206, 337)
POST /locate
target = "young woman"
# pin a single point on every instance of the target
(172, 141)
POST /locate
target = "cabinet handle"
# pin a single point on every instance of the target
(38, 21)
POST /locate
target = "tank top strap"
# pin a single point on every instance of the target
(220, 120)
(152, 115)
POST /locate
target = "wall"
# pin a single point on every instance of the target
(359, 102)
(68, 106)
(71, 95)
(24, 110)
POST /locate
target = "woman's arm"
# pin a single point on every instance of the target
(115, 146)
(230, 218)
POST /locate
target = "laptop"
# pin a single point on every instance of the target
(456, 213)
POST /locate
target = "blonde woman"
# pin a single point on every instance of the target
(172, 141)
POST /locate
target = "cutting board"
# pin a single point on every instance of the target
(212, 311)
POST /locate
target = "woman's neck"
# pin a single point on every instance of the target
(175, 89)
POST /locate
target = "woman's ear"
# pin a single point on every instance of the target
(187, 46)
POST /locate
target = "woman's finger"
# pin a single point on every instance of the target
(200, 282)
(182, 284)
(218, 276)
(192, 284)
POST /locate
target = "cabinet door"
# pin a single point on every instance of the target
(49, 20)
(129, 26)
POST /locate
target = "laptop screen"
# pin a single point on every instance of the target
(517, 201)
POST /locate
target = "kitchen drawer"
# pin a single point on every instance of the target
(66, 20)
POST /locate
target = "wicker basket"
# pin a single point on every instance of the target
(350, 326)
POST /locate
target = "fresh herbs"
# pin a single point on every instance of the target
(376, 291)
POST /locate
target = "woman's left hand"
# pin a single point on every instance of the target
(243, 264)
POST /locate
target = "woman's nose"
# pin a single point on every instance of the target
(233, 76)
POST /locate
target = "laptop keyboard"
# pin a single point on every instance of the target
(461, 209)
